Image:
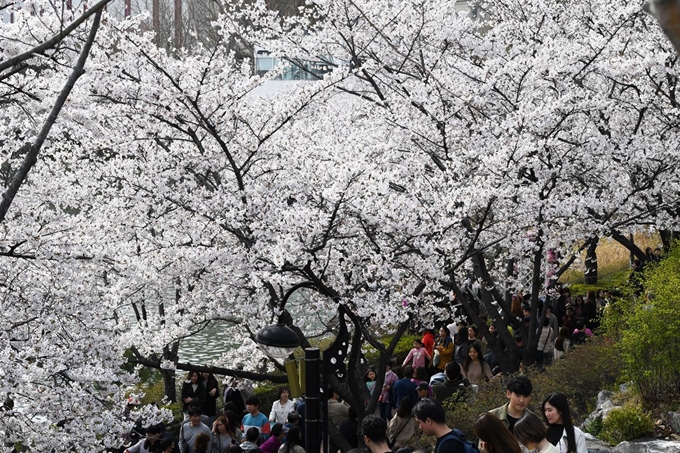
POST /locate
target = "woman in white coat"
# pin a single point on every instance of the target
(281, 407)
(561, 430)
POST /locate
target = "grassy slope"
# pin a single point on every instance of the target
(613, 261)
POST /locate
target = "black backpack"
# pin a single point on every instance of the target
(458, 436)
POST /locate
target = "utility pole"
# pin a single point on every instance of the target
(156, 19)
(178, 24)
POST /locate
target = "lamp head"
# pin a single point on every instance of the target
(277, 341)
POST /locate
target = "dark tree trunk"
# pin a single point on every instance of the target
(536, 288)
(156, 20)
(504, 346)
(632, 252)
(667, 238)
(635, 251)
(169, 381)
(591, 262)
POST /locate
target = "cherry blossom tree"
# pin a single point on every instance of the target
(264, 217)
(391, 169)
(445, 154)
(531, 126)
(62, 385)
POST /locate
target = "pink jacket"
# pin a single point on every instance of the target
(418, 356)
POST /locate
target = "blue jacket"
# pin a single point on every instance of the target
(404, 387)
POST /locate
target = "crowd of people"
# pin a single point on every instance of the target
(451, 364)
(511, 428)
(439, 367)
(240, 428)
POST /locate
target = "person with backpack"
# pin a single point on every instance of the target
(455, 386)
(431, 419)
(402, 427)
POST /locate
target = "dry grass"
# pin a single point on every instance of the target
(613, 261)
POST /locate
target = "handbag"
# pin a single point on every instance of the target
(393, 439)
(436, 358)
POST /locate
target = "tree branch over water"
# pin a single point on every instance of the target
(278, 379)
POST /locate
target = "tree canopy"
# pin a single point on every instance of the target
(445, 154)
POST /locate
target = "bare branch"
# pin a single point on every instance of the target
(32, 156)
(54, 40)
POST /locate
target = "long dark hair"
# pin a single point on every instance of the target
(200, 376)
(294, 438)
(559, 402)
(497, 436)
(211, 379)
(405, 407)
(530, 429)
(477, 346)
(233, 423)
(202, 442)
(421, 373)
(166, 443)
(563, 334)
(228, 427)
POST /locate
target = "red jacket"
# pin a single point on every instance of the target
(428, 342)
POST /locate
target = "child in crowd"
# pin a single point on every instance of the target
(418, 355)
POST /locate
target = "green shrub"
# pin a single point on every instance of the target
(625, 423)
(267, 392)
(594, 427)
(580, 375)
(647, 327)
(154, 392)
(464, 415)
(405, 344)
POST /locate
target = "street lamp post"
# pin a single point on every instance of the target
(279, 341)
(313, 420)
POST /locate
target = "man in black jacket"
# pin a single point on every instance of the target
(453, 386)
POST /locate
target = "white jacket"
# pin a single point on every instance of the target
(580, 441)
(279, 413)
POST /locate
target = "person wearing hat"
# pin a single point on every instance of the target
(423, 389)
(454, 384)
